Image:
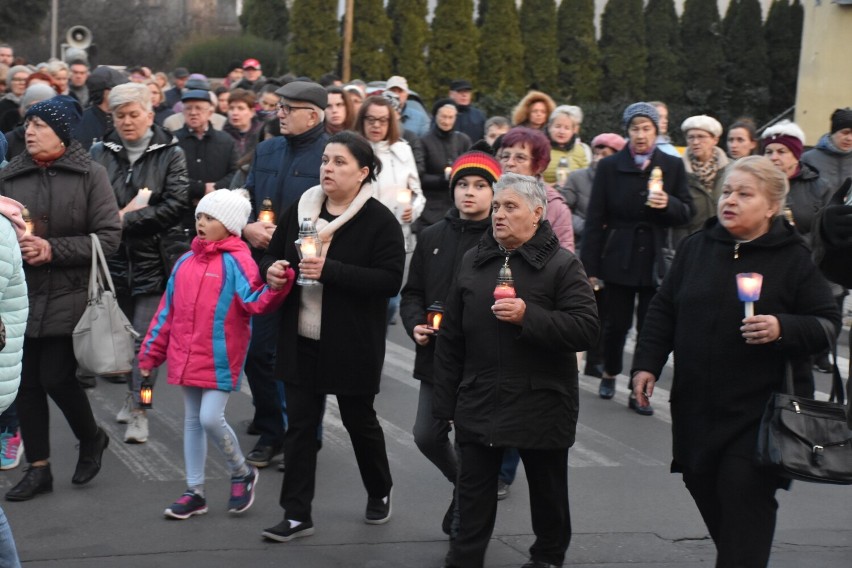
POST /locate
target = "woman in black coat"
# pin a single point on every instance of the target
(68, 197)
(138, 156)
(626, 228)
(332, 337)
(727, 366)
(506, 370)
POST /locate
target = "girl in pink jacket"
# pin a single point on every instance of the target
(202, 329)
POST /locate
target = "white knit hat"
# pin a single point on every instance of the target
(231, 208)
(702, 122)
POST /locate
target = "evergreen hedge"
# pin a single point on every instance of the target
(210, 56)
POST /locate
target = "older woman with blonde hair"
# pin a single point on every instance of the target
(726, 366)
(533, 110)
(563, 130)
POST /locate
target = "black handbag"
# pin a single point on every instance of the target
(804, 439)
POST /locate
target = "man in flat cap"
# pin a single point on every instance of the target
(470, 119)
(283, 168)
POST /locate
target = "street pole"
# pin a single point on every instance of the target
(54, 25)
(347, 40)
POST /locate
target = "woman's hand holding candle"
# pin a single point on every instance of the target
(311, 267)
(510, 310)
(761, 329)
(423, 334)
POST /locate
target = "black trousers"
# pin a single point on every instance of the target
(547, 476)
(49, 369)
(305, 410)
(737, 503)
(269, 406)
(619, 303)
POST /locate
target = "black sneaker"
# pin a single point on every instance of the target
(260, 456)
(283, 532)
(378, 510)
(242, 491)
(187, 505)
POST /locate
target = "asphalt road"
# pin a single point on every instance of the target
(627, 509)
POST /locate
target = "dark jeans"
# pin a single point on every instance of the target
(270, 407)
(509, 465)
(619, 303)
(432, 436)
(49, 369)
(737, 503)
(140, 310)
(301, 445)
(547, 476)
(9, 419)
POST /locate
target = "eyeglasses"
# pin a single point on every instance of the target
(373, 120)
(519, 158)
(284, 108)
(19, 80)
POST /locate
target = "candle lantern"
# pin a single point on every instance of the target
(266, 214)
(505, 282)
(308, 245)
(434, 316)
(748, 288)
(562, 171)
(403, 200)
(146, 394)
(655, 184)
(28, 221)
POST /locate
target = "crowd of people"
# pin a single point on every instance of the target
(530, 246)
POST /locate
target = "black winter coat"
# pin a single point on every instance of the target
(507, 385)
(440, 150)
(93, 127)
(434, 263)
(721, 384)
(623, 237)
(67, 201)
(211, 158)
(808, 195)
(139, 266)
(363, 269)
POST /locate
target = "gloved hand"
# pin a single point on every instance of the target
(837, 225)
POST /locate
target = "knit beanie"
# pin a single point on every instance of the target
(231, 208)
(840, 119)
(647, 110)
(787, 133)
(62, 113)
(35, 93)
(474, 163)
(610, 140)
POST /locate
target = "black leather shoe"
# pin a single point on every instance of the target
(91, 454)
(633, 404)
(540, 564)
(447, 523)
(36, 480)
(260, 456)
(607, 388)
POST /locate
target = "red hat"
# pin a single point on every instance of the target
(786, 133)
(251, 64)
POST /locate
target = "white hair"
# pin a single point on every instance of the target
(528, 188)
(128, 93)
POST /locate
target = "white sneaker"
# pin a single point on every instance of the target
(123, 416)
(137, 429)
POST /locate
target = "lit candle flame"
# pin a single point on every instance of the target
(403, 196)
(436, 320)
(749, 285)
(266, 216)
(309, 248)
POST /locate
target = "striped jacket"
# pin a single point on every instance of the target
(202, 324)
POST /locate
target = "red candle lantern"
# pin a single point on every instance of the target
(505, 283)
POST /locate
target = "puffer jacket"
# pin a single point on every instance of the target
(508, 385)
(202, 325)
(578, 154)
(67, 200)
(833, 165)
(14, 308)
(139, 266)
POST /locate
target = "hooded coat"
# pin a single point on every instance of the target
(833, 165)
(202, 324)
(721, 384)
(14, 305)
(507, 385)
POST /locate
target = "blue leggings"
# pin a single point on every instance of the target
(205, 416)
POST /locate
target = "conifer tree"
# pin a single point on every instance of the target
(453, 47)
(747, 72)
(579, 58)
(663, 79)
(623, 51)
(501, 54)
(315, 44)
(267, 19)
(785, 38)
(703, 59)
(410, 36)
(538, 33)
(371, 41)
